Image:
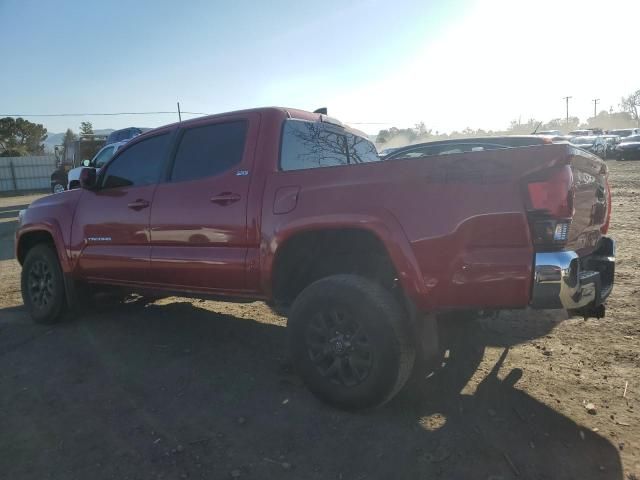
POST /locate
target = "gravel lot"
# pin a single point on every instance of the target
(199, 389)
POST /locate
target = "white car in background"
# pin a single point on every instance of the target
(97, 162)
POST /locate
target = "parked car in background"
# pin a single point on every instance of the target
(387, 151)
(549, 132)
(581, 133)
(124, 134)
(611, 141)
(594, 144)
(97, 162)
(466, 145)
(624, 132)
(71, 156)
(629, 148)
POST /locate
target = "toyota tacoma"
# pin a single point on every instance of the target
(298, 210)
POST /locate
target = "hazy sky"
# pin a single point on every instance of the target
(451, 63)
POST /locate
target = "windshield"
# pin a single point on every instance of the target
(103, 157)
(631, 138)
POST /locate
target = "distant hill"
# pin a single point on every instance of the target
(54, 139)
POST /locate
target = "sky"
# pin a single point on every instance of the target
(451, 64)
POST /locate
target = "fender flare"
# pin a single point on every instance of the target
(383, 225)
(52, 227)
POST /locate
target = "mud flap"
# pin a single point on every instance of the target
(428, 340)
(73, 294)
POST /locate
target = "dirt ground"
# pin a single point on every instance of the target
(200, 389)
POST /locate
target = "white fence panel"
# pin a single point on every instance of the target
(26, 173)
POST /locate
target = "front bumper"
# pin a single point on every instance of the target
(566, 280)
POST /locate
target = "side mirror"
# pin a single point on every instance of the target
(88, 178)
(86, 163)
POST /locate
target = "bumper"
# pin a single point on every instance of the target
(565, 280)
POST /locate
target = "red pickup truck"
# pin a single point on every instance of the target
(298, 210)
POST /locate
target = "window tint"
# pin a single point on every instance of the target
(141, 164)
(315, 144)
(361, 150)
(103, 157)
(209, 150)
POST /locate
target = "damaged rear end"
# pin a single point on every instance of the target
(568, 207)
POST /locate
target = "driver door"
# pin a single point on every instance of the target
(111, 224)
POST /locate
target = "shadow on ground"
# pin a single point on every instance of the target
(176, 391)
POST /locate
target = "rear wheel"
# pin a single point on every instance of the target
(349, 342)
(43, 285)
(57, 188)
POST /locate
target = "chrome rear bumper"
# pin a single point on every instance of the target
(566, 280)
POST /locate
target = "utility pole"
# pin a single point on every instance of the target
(595, 106)
(567, 100)
(179, 114)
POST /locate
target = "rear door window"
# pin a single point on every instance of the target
(361, 150)
(314, 145)
(209, 150)
(140, 164)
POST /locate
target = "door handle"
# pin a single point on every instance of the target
(139, 204)
(225, 198)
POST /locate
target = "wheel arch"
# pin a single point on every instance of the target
(384, 236)
(48, 232)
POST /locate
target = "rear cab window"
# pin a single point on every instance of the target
(307, 145)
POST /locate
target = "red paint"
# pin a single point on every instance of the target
(455, 226)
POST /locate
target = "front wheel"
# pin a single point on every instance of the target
(349, 341)
(43, 285)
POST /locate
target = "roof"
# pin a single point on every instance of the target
(282, 111)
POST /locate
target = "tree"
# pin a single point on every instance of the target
(609, 120)
(21, 137)
(86, 128)
(67, 140)
(631, 105)
(383, 136)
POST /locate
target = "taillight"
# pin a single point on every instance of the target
(605, 228)
(553, 195)
(550, 207)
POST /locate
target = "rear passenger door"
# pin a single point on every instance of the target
(199, 238)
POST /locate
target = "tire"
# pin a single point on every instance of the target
(349, 341)
(42, 285)
(57, 188)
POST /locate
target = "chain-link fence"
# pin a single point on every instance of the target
(26, 173)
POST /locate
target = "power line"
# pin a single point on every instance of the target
(94, 114)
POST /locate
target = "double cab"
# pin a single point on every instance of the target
(298, 210)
